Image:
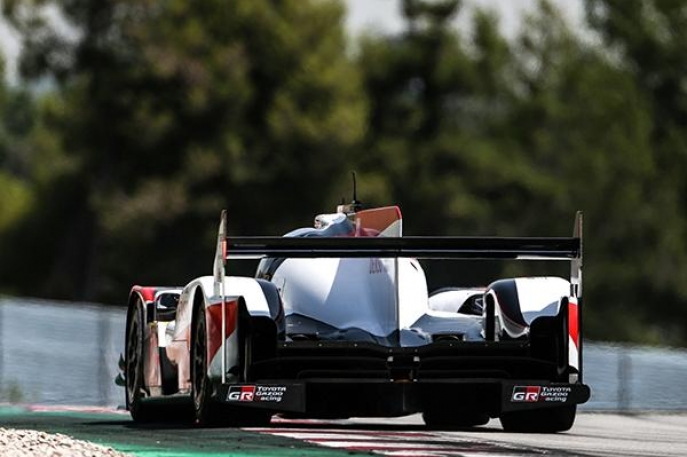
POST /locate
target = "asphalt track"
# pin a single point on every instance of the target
(593, 435)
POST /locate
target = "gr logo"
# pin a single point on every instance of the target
(241, 393)
(526, 393)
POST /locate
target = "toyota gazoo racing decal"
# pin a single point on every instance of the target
(271, 394)
(534, 394)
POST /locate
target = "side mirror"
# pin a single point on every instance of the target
(166, 306)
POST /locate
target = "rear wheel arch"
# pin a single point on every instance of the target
(508, 303)
(275, 305)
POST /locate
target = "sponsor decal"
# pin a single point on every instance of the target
(272, 394)
(241, 393)
(526, 393)
(535, 394)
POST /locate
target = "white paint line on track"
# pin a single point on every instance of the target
(333, 437)
(379, 446)
(420, 453)
(498, 454)
(272, 430)
(277, 420)
(75, 409)
(448, 453)
(328, 436)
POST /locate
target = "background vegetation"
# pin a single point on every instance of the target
(129, 134)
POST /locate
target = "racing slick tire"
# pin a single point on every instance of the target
(442, 419)
(249, 416)
(141, 412)
(208, 411)
(550, 420)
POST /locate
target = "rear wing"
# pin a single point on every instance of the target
(407, 246)
(421, 247)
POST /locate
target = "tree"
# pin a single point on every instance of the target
(438, 100)
(490, 137)
(646, 39)
(413, 81)
(173, 110)
(17, 198)
(583, 122)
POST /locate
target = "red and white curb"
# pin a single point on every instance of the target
(392, 443)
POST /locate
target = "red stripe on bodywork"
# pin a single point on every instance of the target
(213, 313)
(148, 293)
(573, 323)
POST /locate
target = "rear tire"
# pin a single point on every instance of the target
(251, 417)
(208, 411)
(201, 388)
(550, 420)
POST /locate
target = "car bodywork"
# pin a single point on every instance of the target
(338, 322)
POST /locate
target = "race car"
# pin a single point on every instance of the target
(338, 322)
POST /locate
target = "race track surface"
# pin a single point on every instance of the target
(593, 435)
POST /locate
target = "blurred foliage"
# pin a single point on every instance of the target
(12, 393)
(167, 111)
(153, 115)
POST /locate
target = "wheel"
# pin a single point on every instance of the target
(248, 416)
(201, 390)
(550, 420)
(209, 412)
(454, 419)
(139, 410)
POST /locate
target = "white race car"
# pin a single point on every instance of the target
(338, 322)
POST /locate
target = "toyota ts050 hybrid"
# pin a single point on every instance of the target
(338, 322)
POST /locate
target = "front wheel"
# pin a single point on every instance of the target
(549, 420)
(133, 362)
